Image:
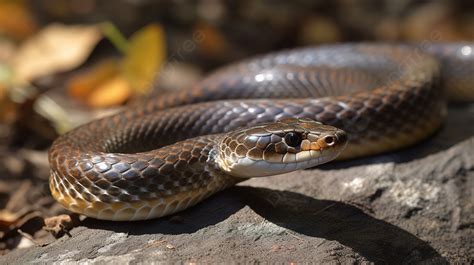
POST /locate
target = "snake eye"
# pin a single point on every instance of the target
(292, 139)
(329, 140)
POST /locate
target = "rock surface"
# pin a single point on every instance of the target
(411, 206)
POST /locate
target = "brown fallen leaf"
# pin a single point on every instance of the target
(109, 84)
(3, 93)
(61, 224)
(113, 92)
(214, 43)
(8, 109)
(15, 227)
(56, 48)
(144, 58)
(83, 85)
(7, 218)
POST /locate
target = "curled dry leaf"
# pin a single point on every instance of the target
(144, 57)
(109, 84)
(61, 224)
(113, 92)
(81, 86)
(100, 87)
(15, 227)
(56, 48)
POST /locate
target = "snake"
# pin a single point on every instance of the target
(267, 115)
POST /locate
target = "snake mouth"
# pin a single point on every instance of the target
(248, 168)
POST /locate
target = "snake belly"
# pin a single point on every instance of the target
(159, 158)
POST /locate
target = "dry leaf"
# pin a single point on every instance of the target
(61, 224)
(3, 93)
(9, 110)
(7, 218)
(56, 48)
(113, 92)
(144, 57)
(213, 43)
(82, 85)
(16, 20)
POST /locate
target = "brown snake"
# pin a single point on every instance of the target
(255, 118)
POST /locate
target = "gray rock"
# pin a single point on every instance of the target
(411, 206)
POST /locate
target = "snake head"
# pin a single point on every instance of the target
(279, 147)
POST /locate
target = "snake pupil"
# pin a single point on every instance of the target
(329, 140)
(292, 139)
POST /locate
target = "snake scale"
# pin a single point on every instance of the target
(263, 116)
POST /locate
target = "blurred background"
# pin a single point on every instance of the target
(63, 63)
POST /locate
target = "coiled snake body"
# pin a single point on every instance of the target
(257, 118)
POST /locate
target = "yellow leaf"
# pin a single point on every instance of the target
(56, 48)
(144, 57)
(111, 93)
